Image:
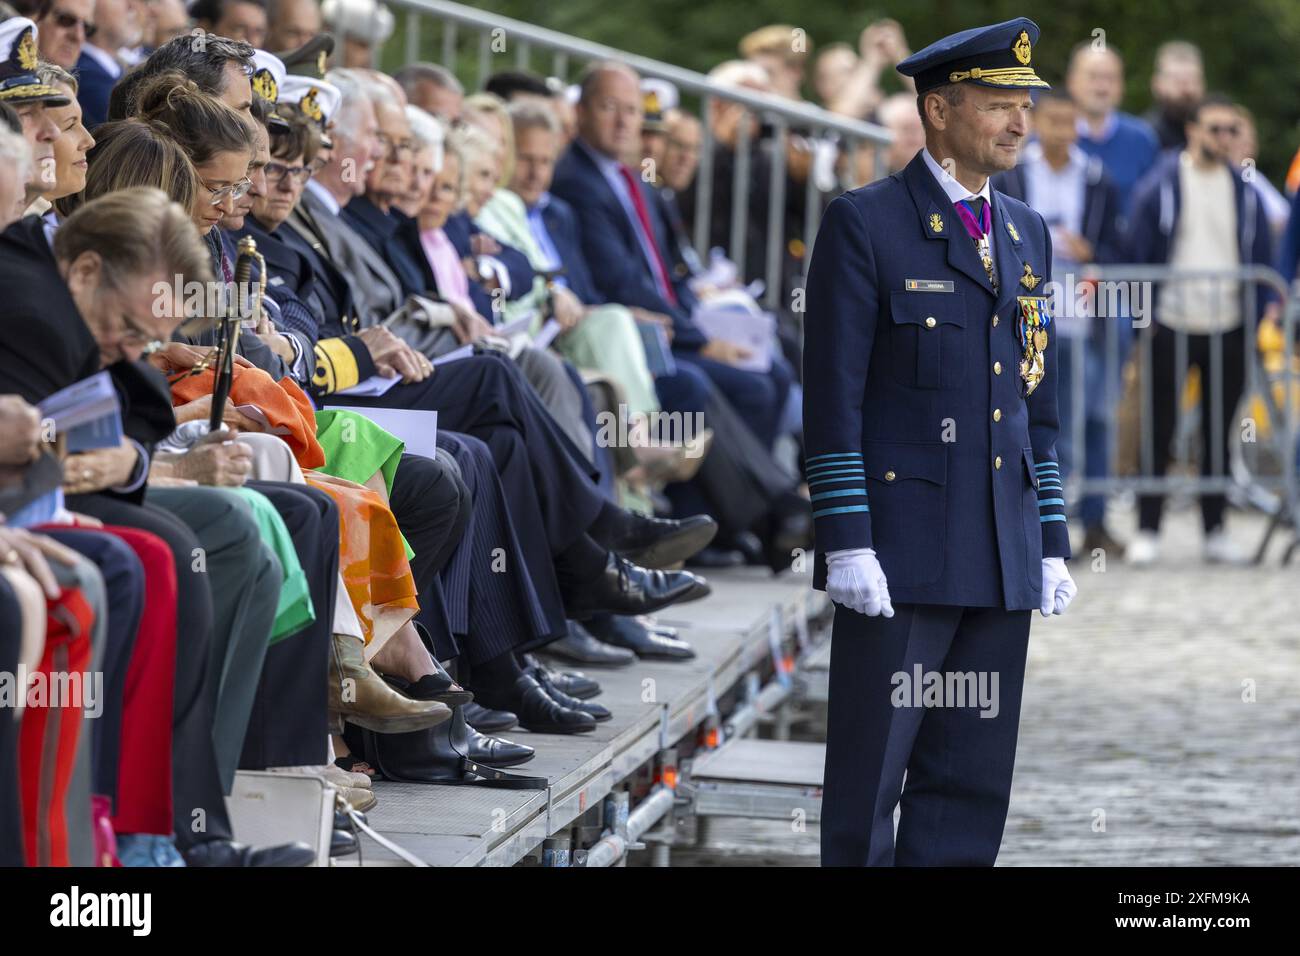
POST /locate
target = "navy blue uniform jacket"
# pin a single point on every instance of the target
(919, 440)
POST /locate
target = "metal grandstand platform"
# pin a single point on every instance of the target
(750, 629)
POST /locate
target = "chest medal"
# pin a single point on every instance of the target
(1034, 322)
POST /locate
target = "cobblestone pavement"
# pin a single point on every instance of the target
(1160, 723)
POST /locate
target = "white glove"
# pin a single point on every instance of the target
(854, 578)
(1059, 588)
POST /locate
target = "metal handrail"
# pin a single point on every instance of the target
(1283, 415)
(798, 113)
(783, 114)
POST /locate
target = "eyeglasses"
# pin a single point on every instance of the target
(278, 172)
(67, 21)
(234, 191)
(395, 146)
(136, 337)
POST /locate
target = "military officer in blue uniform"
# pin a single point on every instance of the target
(930, 420)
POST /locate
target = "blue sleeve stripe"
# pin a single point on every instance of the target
(826, 475)
(1043, 519)
(1048, 466)
(1049, 482)
(826, 512)
(853, 455)
(841, 493)
(832, 465)
(1046, 502)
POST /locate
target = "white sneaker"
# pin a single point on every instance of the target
(1144, 550)
(1220, 549)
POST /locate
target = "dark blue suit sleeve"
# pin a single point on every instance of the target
(1290, 251)
(623, 277)
(1144, 221)
(1044, 425)
(842, 306)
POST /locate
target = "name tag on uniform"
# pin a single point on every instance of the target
(927, 285)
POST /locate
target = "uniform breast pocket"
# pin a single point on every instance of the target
(909, 508)
(929, 338)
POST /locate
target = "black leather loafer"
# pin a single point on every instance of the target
(497, 751)
(538, 712)
(662, 542)
(646, 644)
(488, 721)
(579, 647)
(342, 843)
(625, 588)
(543, 678)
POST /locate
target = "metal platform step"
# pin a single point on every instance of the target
(767, 779)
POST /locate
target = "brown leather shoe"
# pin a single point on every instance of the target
(362, 697)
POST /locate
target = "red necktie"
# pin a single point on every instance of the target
(647, 233)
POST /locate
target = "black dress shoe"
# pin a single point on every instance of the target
(439, 687)
(342, 843)
(488, 721)
(230, 853)
(579, 647)
(715, 558)
(574, 683)
(537, 712)
(625, 588)
(497, 751)
(343, 821)
(662, 542)
(646, 644)
(654, 627)
(598, 713)
(577, 685)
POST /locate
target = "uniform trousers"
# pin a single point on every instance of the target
(958, 763)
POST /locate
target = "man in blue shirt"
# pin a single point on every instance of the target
(1126, 145)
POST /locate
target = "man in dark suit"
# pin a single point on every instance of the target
(625, 242)
(930, 421)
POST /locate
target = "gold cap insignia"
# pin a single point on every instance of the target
(1029, 280)
(311, 107)
(264, 85)
(25, 51)
(936, 222)
(1021, 48)
(321, 62)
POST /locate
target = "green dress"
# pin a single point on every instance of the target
(295, 611)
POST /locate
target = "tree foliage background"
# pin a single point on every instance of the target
(1251, 47)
